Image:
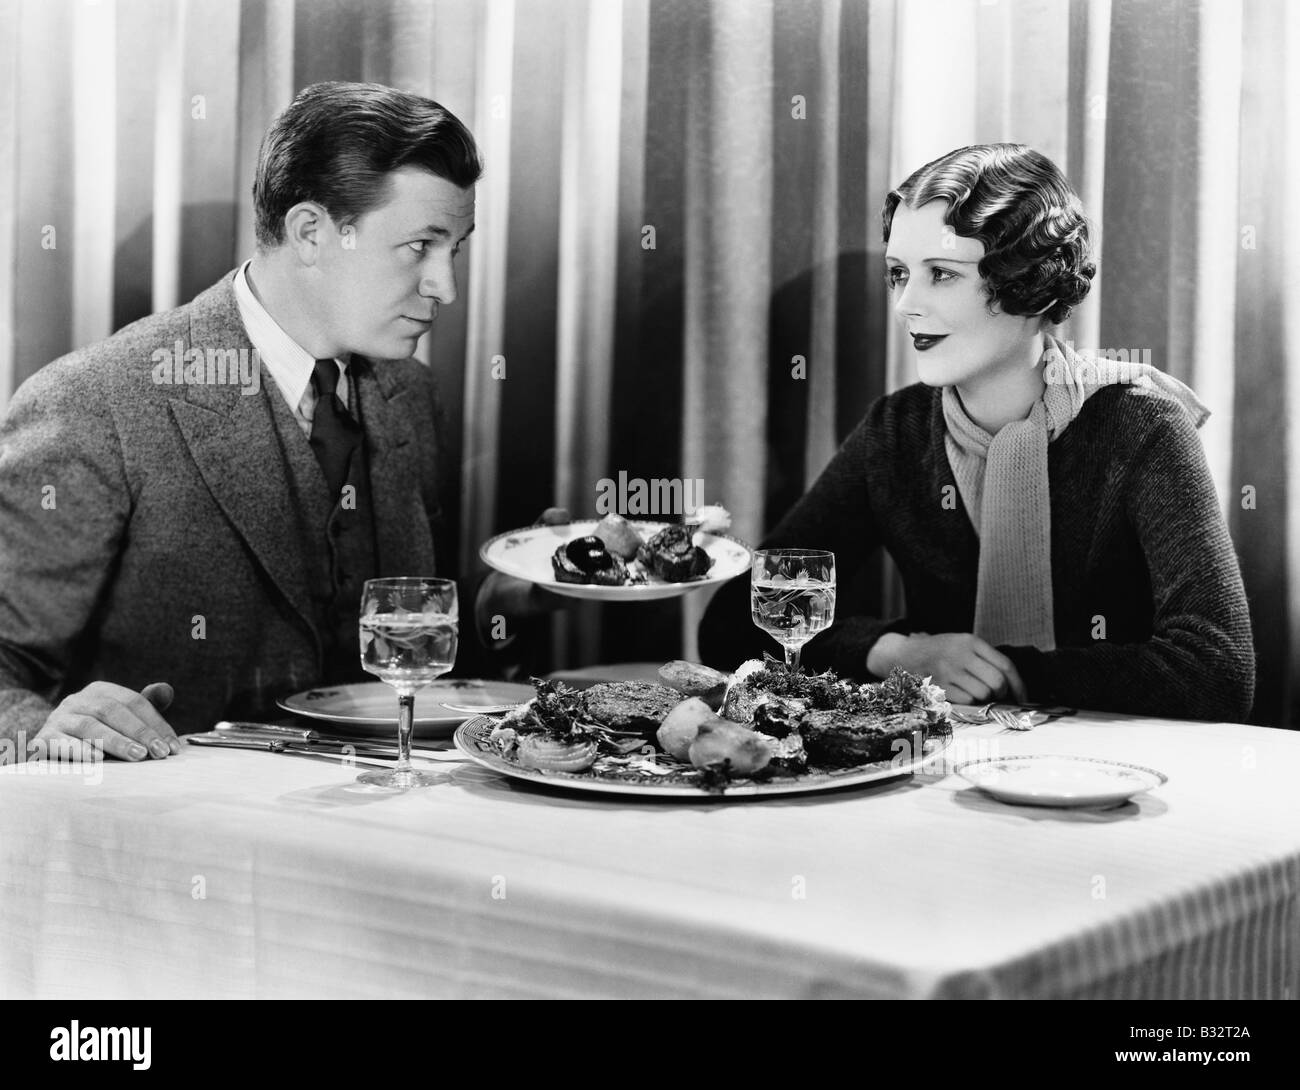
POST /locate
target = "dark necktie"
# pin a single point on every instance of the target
(334, 433)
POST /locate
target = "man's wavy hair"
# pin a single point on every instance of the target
(336, 143)
(1019, 205)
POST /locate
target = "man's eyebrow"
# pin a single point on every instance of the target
(442, 232)
(935, 260)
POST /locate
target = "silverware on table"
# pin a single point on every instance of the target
(232, 742)
(319, 746)
(302, 734)
(274, 732)
(275, 746)
(977, 717)
(994, 711)
(1010, 720)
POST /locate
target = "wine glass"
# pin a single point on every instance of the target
(792, 596)
(408, 637)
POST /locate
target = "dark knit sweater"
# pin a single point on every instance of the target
(1139, 550)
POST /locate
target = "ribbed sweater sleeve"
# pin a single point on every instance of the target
(1199, 661)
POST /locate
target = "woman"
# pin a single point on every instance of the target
(1052, 516)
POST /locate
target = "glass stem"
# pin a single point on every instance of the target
(405, 720)
(792, 658)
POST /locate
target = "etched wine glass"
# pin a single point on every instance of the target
(408, 635)
(792, 596)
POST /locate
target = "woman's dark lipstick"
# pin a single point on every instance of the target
(923, 342)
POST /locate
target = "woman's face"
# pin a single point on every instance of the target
(939, 296)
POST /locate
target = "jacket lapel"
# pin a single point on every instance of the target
(232, 439)
(402, 535)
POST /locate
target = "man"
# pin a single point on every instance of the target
(183, 531)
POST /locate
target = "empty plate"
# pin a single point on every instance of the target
(1057, 780)
(369, 708)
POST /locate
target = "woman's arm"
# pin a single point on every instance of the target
(1200, 661)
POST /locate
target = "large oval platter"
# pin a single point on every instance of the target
(471, 738)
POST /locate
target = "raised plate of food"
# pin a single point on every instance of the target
(1060, 780)
(614, 559)
(369, 708)
(700, 734)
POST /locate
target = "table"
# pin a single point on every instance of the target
(224, 873)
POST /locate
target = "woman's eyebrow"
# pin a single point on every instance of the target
(932, 261)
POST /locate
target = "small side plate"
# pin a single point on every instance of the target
(1060, 780)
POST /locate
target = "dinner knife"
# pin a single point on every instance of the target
(325, 747)
(269, 731)
(276, 746)
(302, 734)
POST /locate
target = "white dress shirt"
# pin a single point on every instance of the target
(285, 360)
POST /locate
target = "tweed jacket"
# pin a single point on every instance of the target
(151, 530)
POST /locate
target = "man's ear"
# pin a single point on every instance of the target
(305, 225)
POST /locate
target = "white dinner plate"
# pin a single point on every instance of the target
(1057, 780)
(369, 708)
(472, 739)
(526, 554)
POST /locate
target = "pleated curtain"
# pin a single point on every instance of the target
(677, 271)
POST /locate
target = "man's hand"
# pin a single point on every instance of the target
(969, 670)
(515, 599)
(126, 722)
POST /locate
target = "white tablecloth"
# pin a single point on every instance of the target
(240, 874)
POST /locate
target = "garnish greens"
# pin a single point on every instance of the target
(556, 711)
(901, 691)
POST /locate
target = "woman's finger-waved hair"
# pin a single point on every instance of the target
(1016, 202)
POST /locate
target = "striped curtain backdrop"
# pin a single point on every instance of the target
(677, 271)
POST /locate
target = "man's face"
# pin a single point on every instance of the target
(939, 296)
(382, 278)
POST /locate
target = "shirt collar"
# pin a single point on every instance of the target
(288, 363)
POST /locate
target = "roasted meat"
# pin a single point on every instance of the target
(630, 705)
(672, 557)
(586, 560)
(842, 739)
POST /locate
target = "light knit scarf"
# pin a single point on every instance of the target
(1003, 484)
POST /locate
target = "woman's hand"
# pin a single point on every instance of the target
(969, 670)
